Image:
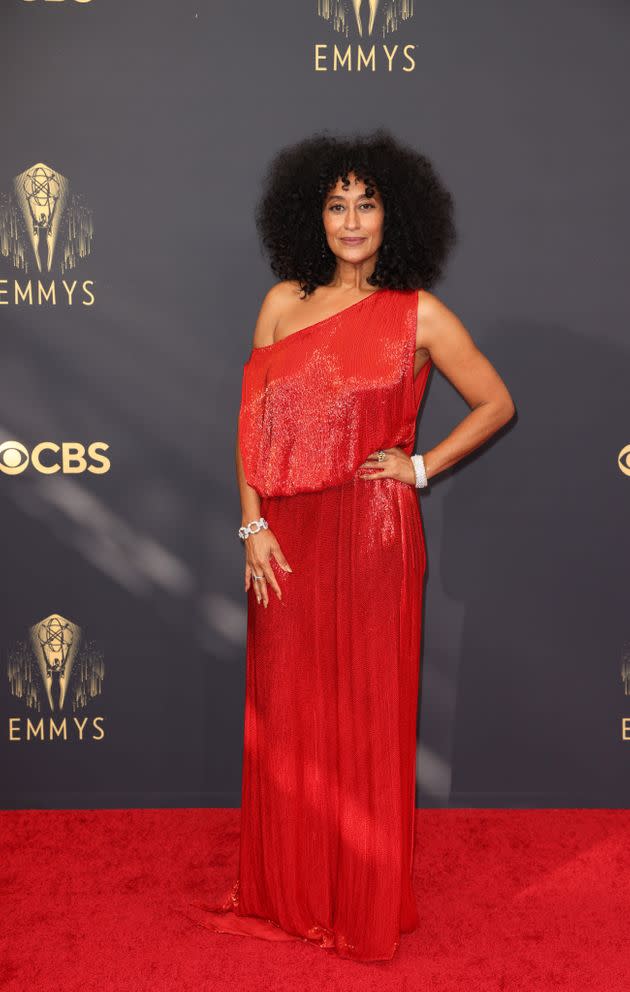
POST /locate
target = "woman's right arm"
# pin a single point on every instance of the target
(259, 547)
(250, 500)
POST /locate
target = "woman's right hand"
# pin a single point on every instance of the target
(259, 549)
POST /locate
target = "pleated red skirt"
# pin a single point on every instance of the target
(328, 786)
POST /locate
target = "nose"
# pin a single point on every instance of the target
(352, 219)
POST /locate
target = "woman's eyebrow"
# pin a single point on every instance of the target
(336, 196)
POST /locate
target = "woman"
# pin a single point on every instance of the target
(357, 231)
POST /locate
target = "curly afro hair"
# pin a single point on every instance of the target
(418, 230)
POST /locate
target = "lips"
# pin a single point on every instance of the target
(352, 241)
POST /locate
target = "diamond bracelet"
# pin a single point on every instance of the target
(421, 475)
(252, 528)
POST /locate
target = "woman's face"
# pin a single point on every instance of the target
(353, 222)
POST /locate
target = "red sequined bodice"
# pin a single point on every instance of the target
(316, 403)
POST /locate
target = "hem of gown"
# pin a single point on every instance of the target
(225, 918)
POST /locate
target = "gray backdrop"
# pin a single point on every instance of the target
(162, 117)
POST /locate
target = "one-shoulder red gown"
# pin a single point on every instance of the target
(332, 670)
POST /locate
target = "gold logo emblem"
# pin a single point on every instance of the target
(366, 17)
(55, 669)
(43, 220)
(623, 459)
(50, 458)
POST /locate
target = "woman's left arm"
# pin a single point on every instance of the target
(455, 354)
(441, 334)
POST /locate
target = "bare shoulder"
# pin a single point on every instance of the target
(457, 356)
(275, 302)
(438, 324)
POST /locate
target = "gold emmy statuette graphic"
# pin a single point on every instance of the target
(357, 4)
(362, 14)
(42, 213)
(55, 642)
(49, 666)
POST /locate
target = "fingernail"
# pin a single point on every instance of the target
(288, 568)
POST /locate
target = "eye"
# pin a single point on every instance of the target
(335, 205)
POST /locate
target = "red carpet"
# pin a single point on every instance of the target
(509, 900)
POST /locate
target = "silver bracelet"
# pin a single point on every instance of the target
(421, 474)
(252, 528)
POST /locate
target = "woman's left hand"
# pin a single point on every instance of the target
(396, 465)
